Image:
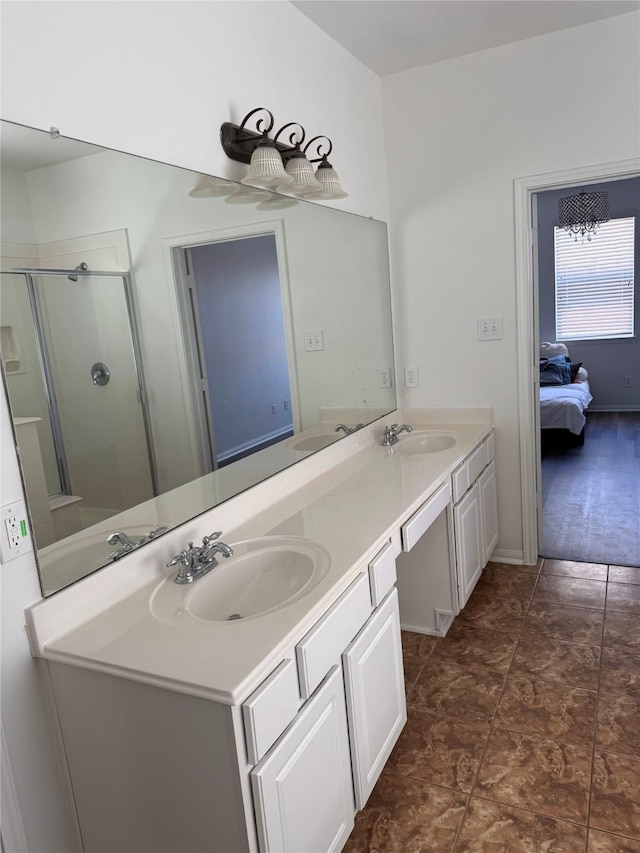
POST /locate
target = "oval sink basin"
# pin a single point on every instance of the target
(316, 442)
(421, 441)
(263, 575)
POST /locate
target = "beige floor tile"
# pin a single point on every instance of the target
(439, 750)
(624, 574)
(615, 798)
(618, 727)
(568, 568)
(496, 828)
(450, 690)
(577, 592)
(605, 842)
(406, 815)
(565, 714)
(553, 660)
(622, 631)
(486, 610)
(537, 774)
(471, 645)
(623, 597)
(563, 622)
(620, 672)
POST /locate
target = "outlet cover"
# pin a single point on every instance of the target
(385, 379)
(411, 377)
(15, 533)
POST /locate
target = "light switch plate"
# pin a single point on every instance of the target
(489, 328)
(314, 340)
(15, 535)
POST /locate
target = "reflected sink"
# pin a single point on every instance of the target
(263, 575)
(423, 441)
(316, 442)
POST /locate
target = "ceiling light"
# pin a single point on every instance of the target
(584, 213)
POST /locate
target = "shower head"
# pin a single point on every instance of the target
(82, 267)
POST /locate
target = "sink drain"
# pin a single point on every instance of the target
(233, 617)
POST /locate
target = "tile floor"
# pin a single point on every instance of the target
(523, 730)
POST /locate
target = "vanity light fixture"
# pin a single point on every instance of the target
(584, 213)
(282, 163)
(206, 186)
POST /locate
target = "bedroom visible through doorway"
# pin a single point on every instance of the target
(590, 418)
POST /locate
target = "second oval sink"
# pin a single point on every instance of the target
(316, 442)
(263, 575)
(425, 442)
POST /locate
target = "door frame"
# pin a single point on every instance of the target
(527, 327)
(174, 247)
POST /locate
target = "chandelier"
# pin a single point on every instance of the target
(582, 214)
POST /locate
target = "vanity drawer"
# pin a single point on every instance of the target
(322, 647)
(490, 443)
(382, 570)
(421, 520)
(270, 709)
(466, 475)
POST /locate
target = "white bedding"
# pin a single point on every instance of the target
(562, 406)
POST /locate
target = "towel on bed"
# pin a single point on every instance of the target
(555, 370)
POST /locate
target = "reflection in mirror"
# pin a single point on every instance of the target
(165, 350)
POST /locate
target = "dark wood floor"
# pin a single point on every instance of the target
(591, 494)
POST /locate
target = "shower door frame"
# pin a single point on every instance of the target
(30, 273)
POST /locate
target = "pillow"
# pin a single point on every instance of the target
(555, 370)
(549, 350)
(573, 370)
(582, 375)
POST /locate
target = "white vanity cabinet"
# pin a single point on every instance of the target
(158, 771)
(475, 516)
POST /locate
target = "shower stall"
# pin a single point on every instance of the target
(72, 365)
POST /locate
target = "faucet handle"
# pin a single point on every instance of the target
(207, 540)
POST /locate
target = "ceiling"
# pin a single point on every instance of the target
(394, 35)
(38, 150)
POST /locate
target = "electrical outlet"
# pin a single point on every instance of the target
(385, 379)
(627, 382)
(314, 340)
(489, 328)
(285, 405)
(274, 408)
(411, 378)
(16, 538)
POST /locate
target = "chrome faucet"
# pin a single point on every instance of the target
(347, 430)
(390, 433)
(119, 537)
(196, 562)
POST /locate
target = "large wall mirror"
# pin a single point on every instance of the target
(165, 347)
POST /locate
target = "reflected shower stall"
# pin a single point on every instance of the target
(75, 384)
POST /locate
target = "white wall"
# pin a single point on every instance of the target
(473, 125)
(158, 79)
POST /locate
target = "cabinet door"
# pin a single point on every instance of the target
(469, 546)
(489, 504)
(302, 789)
(376, 705)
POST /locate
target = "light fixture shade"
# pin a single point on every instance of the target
(304, 178)
(329, 181)
(247, 195)
(277, 202)
(266, 169)
(206, 186)
(583, 213)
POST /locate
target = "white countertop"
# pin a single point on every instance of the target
(350, 509)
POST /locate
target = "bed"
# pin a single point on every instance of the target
(564, 403)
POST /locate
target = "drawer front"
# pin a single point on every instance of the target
(477, 462)
(270, 709)
(421, 520)
(382, 570)
(321, 648)
(460, 482)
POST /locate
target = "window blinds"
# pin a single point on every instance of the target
(594, 282)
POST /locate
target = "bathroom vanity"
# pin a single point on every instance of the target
(231, 718)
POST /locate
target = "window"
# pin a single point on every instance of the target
(594, 283)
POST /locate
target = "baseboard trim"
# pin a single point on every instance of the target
(502, 555)
(613, 409)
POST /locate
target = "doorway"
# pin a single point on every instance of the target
(528, 328)
(236, 327)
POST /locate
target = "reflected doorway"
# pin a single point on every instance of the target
(236, 320)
